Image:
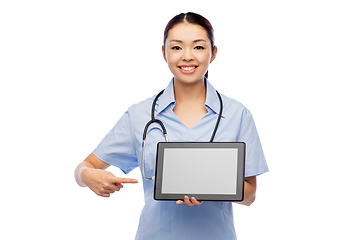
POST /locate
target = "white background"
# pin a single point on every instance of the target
(70, 69)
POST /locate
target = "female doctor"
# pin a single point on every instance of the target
(189, 108)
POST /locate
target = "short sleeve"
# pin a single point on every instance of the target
(255, 162)
(117, 148)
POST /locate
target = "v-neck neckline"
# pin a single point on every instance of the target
(184, 125)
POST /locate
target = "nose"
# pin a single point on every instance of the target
(188, 55)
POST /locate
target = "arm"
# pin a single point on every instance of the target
(249, 191)
(91, 173)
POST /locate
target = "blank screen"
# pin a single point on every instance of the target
(200, 171)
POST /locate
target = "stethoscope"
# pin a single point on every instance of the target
(154, 120)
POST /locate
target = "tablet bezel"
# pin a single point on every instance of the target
(239, 196)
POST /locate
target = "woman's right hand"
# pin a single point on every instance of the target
(102, 182)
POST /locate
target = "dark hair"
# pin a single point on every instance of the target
(192, 18)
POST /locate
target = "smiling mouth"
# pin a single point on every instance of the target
(188, 68)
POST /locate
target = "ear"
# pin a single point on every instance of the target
(213, 54)
(163, 51)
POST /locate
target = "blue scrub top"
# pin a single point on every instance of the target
(159, 220)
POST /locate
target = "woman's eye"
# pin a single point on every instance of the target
(176, 48)
(199, 47)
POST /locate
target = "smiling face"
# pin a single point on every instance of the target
(188, 52)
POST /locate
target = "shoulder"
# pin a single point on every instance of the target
(143, 106)
(140, 105)
(234, 108)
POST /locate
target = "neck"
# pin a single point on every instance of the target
(189, 92)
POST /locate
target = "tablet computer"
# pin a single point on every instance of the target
(208, 171)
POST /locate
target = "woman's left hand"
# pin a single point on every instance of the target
(189, 202)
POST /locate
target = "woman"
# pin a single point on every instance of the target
(189, 108)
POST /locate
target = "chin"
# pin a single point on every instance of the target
(189, 79)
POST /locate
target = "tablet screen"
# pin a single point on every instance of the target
(207, 171)
(203, 168)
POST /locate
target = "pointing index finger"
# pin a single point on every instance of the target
(125, 180)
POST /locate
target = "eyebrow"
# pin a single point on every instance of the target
(195, 41)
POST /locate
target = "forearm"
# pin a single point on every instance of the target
(249, 191)
(90, 162)
(91, 173)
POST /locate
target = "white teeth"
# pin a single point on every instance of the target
(187, 68)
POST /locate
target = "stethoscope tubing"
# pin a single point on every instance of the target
(219, 117)
(154, 120)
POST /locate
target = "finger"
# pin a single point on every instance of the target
(102, 194)
(178, 202)
(106, 192)
(110, 190)
(124, 180)
(196, 202)
(111, 187)
(188, 202)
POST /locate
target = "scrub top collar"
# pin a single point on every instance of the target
(168, 97)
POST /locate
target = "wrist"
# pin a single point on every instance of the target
(78, 176)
